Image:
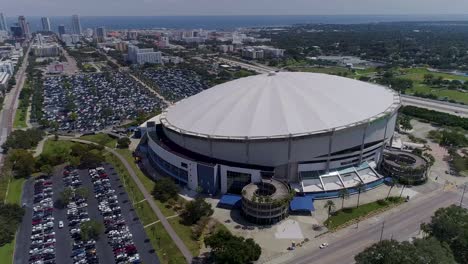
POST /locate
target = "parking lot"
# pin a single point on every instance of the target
(50, 232)
(92, 102)
(175, 84)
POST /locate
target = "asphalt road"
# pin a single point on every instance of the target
(63, 245)
(401, 224)
(23, 237)
(450, 108)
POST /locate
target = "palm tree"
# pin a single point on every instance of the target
(343, 194)
(329, 204)
(360, 188)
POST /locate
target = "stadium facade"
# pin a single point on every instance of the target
(319, 133)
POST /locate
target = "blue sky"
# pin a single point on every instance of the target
(229, 7)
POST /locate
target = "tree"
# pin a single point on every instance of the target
(360, 187)
(123, 142)
(91, 230)
(343, 194)
(229, 249)
(165, 189)
(450, 225)
(23, 162)
(82, 192)
(92, 158)
(10, 217)
(47, 169)
(65, 197)
(196, 209)
(329, 205)
(421, 251)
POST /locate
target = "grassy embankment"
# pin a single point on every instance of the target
(347, 216)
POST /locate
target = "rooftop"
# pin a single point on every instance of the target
(280, 104)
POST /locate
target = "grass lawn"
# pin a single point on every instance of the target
(163, 244)
(145, 213)
(20, 117)
(59, 146)
(417, 74)
(441, 93)
(185, 233)
(102, 139)
(327, 70)
(14, 191)
(6, 252)
(347, 215)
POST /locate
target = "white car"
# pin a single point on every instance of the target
(323, 245)
(60, 225)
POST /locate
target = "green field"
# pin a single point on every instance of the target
(20, 117)
(145, 213)
(417, 74)
(165, 247)
(6, 252)
(14, 191)
(57, 147)
(185, 233)
(102, 139)
(348, 215)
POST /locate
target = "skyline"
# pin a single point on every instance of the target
(225, 7)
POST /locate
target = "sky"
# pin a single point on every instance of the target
(229, 7)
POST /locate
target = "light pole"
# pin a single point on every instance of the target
(461, 200)
(381, 231)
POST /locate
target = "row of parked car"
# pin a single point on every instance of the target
(82, 251)
(118, 233)
(42, 249)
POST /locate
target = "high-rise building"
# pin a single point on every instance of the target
(16, 31)
(76, 25)
(61, 30)
(100, 34)
(24, 26)
(3, 23)
(45, 24)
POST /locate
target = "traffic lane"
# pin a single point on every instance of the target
(103, 249)
(64, 242)
(23, 237)
(144, 247)
(400, 226)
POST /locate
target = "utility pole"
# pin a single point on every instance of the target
(381, 231)
(461, 200)
(402, 189)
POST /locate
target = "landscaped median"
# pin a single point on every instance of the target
(347, 216)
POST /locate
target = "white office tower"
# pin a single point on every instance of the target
(45, 24)
(3, 23)
(76, 25)
(142, 56)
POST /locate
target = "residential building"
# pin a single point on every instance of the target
(70, 39)
(61, 30)
(7, 66)
(271, 52)
(252, 53)
(45, 24)
(24, 27)
(3, 23)
(121, 46)
(142, 56)
(16, 31)
(100, 34)
(48, 50)
(76, 25)
(132, 35)
(226, 48)
(4, 78)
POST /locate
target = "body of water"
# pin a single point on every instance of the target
(227, 22)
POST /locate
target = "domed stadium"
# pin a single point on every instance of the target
(319, 133)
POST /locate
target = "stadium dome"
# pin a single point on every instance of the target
(279, 104)
(320, 132)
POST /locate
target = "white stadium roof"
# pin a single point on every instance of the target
(280, 104)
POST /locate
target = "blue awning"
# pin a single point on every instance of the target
(388, 179)
(302, 203)
(230, 200)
